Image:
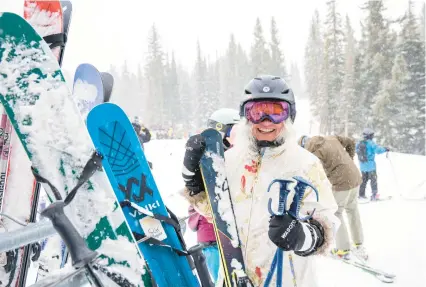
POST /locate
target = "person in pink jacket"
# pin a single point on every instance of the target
(205, 236)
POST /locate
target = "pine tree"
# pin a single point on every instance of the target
(423, 22)
(314, 56)
(231, 74)
(348, 109)
(412, 48)
(260, 57)
(244, 74)
(375, 59)
(277, 63)
(154, 75)
(187, 102)
(173, 96)
(201, 93)
(390, 110)
(296, 82)
(333, 69)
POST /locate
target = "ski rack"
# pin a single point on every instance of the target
(84, 260)
(29, 234)
(82, 257)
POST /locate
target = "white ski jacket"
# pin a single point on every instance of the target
(249, 179)
(249, 176)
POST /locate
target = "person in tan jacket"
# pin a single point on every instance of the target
(336, 154)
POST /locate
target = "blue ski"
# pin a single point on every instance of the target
(127, 168)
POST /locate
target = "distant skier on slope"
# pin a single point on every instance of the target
(366, 150)
(265, 149)
(222, 120)
(144, 135)
(142, 132)
(336, 154)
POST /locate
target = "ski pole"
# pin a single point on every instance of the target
(394, 173)
(293, 211)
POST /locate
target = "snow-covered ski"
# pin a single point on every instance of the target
(384, 198)
(51, 19)
(213, 171)
(379, 274)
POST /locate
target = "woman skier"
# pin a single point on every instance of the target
(265, 149)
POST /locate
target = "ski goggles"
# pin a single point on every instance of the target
(276, 112)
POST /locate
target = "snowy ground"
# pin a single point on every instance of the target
(394, 230)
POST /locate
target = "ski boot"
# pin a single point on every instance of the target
(341, 254)
(360, 252)
(363, 199)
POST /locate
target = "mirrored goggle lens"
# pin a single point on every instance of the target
(276, 112)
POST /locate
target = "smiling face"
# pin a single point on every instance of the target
(267, 130)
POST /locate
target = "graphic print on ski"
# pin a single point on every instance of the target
(46, 120)
(125, 164)
(88, 89)
(51, 19)
(216, 184)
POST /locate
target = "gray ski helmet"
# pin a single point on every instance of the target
(368, 133)
(269, 87)
(222, 119)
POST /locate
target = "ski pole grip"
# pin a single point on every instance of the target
(75, 243)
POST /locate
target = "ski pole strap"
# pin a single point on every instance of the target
(162, 218)
(151, 240)
(41, 179)
(93, 164)
(36, 249)
(56, 40)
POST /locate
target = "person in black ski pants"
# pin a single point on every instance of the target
(144, 135)
(366, 150)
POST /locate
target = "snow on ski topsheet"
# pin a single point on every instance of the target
(224, 202)
(45, 17)
(85, 95)
(44, 22)
(58, 138)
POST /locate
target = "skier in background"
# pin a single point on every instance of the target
(206, 237)
(142, 132)
(336, 154)
(265, 149)
(223, 120)
(144, 135)
(366, 150)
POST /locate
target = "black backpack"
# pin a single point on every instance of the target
(362, 151)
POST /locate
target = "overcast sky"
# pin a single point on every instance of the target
(105, 32)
